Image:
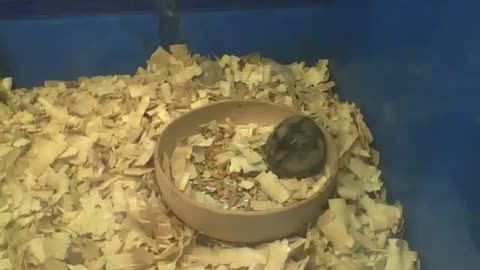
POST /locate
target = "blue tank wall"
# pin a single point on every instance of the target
(411, 66)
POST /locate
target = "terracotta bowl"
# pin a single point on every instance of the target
(229, 225)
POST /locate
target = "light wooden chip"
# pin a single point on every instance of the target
(367, 173)
(298, 188)
(123, 261)
(272, 187)
(82, 145)
(234, 257)
(56, 246)
(349, 188)
(137, 171)
(45, 153)
(250, 155)
(264, 205)
(205, 199)
(241, 164)
(37, 249)
(399, 256)
(7, 83)
(335, 232)
(381, 216)
(179, 161)
(58, 113)
(246, 184)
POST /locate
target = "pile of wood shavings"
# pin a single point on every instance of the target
(223, 167)
(77, 188)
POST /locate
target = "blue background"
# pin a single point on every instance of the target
(411, 66)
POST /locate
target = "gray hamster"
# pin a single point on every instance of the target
(296, 148)
(211, 73)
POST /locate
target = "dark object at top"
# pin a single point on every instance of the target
(296, 148)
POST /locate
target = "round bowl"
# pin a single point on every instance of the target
(233, 225)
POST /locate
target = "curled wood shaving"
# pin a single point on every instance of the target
(272, 187)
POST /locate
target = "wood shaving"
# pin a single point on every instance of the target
(272, 187)
(77, 188)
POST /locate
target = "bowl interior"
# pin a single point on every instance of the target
(239, 112)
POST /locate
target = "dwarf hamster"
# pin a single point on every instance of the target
(296, 148)
(211, 73)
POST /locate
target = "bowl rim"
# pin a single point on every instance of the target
(332, 161)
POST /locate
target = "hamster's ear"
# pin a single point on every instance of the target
(280, 132)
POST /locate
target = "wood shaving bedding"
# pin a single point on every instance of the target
(77, 188)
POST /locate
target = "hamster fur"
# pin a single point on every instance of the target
(296, 148)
